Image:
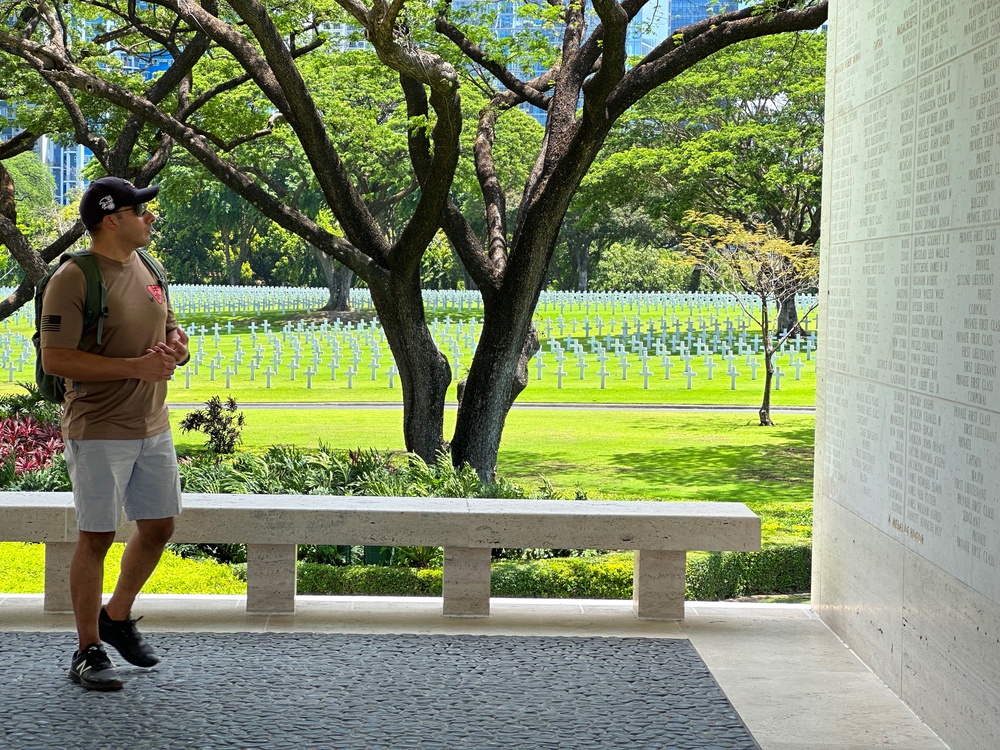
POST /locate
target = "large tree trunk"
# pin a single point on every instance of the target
(499, 368)
(580, 258)
(338, 280)
(788, 317)
(694, 282)
(498, 374)
(423, 370)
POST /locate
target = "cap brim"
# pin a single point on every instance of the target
(146, 194)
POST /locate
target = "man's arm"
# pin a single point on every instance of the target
(85, 367)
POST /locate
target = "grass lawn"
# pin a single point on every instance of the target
(722, 456)
(22, 571)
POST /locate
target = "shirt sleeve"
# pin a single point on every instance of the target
(62, 308)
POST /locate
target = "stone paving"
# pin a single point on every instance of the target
(309, 690)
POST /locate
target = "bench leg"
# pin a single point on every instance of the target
(271, 580)
(658, 585)
(58, 556)
(466, 581)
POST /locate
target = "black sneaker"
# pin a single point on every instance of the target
(124, 636)
(93, 669)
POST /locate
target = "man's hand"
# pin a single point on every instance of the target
(156, 365)
(177, 345)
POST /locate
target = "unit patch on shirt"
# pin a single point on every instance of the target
(51, 322)
(156, 291)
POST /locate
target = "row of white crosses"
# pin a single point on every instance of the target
(610, 349)
(189, 300)
(308, 349)
(305, 350)
(17, 354)
(193, 299)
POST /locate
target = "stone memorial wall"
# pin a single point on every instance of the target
(907, 534)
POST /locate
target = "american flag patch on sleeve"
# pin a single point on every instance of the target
(51, 323)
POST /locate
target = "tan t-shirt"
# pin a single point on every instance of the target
(139, 316)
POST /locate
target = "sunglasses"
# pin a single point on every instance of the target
(139, 209)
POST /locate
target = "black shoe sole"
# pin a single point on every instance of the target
(103, 687)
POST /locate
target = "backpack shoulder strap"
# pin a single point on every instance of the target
(95, 306)
(154, 266)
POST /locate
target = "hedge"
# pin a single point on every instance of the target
(784, 569)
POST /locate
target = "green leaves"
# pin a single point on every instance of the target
(740, 134)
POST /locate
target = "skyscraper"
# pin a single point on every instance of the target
(685, 12)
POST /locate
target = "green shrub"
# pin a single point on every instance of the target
(52, 478)
(221, 422)
(373, 580)
(605, 577)
(781, 569)
(711, 576)
(29, 404)
(285, 469)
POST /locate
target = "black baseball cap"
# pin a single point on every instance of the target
(110, 194)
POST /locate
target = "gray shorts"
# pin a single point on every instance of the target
(138, 475)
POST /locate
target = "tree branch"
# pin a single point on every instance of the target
(304, 117)
(197, 145)
(496, 203)
(18, 144)
(525, 91)
(17, 299)
(435, 174)
(672, 57)
(570, 76)
(456, 227)
(613, 30)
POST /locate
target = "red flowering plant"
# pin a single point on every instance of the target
(28, 443)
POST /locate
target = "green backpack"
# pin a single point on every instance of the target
(95, 310)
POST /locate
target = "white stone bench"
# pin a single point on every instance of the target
(271, 526)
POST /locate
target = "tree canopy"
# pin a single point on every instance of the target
(242, 75)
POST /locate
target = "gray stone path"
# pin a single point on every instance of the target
(307, 690)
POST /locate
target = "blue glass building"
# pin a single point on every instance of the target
(648, 29)
(685, 12)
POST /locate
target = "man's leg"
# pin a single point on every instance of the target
(86, 580)
(152, 499)
(142, 554)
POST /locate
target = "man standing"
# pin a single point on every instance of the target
(119, 450)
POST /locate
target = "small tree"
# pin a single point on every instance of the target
(758, 264)
(221, 422)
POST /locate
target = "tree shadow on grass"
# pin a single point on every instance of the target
(759, 474)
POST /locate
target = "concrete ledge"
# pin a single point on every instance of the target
(272, 525)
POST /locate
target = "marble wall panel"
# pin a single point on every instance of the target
(860, 593)
(909, 396)
(951, 655)
(907, 478)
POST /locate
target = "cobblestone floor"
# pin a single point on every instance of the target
(293, 690)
